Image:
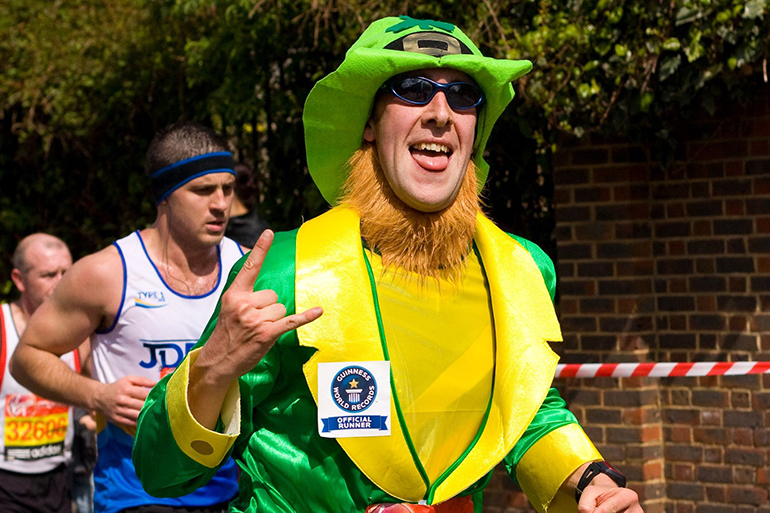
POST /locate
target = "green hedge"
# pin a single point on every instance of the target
(84, 84)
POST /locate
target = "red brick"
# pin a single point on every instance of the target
(640, 230)
(568, 306)
(761, 127)
(622, 211)
(578, 288)
(643, 385)
(674, 210)
(683, 472)
(617, 174)
(677, 322)
(740, 398)
(742, 436)
(635, 192)
(592, 194)
(758, 147)
(734, 168)
(744, 475)
(628, 305)
(716, 493)
(763, 476)
(561, 158)
(705, 151)
(763, 225)
(711, 417)
(651, 434)
(710, 436)
(735, 207)
(737, 284)
(703, 228)
(685, 491)
(738, 323)
(562, 195)
(713, 455)
(676, 247)
(706, 303)
(743, 495)
(681, 434)
(761, 186)
(677, 285)
(705, 266)
(594, 231)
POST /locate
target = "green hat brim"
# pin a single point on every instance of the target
(338, 107)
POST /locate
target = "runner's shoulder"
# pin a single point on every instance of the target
(95, 274)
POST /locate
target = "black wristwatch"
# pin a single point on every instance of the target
(593, 470)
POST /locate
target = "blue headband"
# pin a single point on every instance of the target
(167, 179)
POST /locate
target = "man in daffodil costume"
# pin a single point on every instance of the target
(387, 355)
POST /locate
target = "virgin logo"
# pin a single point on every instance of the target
(20, 405)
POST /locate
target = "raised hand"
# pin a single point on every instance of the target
(248, 325)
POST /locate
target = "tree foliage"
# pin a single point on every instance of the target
(84, 84)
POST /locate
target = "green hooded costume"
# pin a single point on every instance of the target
(270, 420)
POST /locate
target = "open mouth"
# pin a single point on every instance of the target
(431, 156)
(431, 149)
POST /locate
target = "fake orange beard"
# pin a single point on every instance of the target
(430, 244)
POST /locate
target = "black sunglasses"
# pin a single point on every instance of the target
(421, 90)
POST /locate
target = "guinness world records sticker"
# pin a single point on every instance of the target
(354, 399)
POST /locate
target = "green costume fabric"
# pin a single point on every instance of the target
(285, 465)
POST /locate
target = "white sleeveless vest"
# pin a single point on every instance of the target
(155, 326)
(35, 433)
(154, 329)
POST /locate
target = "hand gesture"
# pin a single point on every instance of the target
(249, 322)
(120, 402)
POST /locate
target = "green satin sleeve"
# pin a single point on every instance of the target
(154, 441)
(552, 415)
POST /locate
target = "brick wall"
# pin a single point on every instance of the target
(670, 265)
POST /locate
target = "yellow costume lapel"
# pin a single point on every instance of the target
(331, 273)
(524, 364)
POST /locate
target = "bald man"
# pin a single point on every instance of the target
(35, 434)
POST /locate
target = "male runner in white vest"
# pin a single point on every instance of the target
(35, 433)
(143, 301)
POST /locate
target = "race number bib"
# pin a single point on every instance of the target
(353, 399)
(34, 427)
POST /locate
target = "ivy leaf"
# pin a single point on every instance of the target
(687, 15)
(695, 49)
(669, 66)
(672, 44)
(754, 9)
(646, 101)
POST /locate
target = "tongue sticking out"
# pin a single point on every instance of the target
(430, 160)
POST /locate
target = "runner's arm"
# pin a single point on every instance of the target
(86, 297)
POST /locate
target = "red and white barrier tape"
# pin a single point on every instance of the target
(660, 370)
